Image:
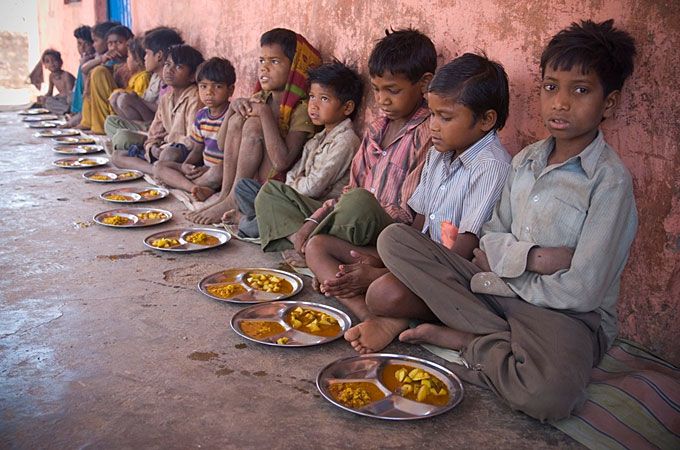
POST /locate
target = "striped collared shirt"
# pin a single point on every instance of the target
(392, 172)
(204, 132)
(463, 190)
(585, 203)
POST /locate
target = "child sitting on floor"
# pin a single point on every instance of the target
(201, 173)
(60, 80)
(463, 176)
(383, 174)
(535, 310)
(139, 81)
(266, 132)
(170, 131)
(334, 97)
(86, 50)
(105, 73)
(139, 110)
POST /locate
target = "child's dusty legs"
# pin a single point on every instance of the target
(170, 173)
(121, 160)
(250, 155)
(391, 305)
(133, 108)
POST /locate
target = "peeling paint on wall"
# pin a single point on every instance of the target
(645, 131)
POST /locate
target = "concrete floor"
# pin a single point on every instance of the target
(104, 344)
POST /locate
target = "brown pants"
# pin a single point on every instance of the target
(538, 360)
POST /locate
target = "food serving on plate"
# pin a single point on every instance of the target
(356, 394)
(150, 193)
(225, 290)
(313, 322)
(261, 329)
(165, 242)
(116, 220)
(415, 384)
(152, 215)
(268, 283)
(201, 238)
(119, 198)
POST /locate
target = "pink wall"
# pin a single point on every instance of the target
(645, 131)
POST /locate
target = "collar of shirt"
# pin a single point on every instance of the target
(469, 155)
(323, 135)
(184, 96)
(538, 159)
(377, 129)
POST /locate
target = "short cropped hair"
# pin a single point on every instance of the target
(592, 46)
(406, 52)
(101, 29)
(286, 38)
(345, 83)
(217, 70)
(186, 55)
(160, 39)
(477, 83)
(53, 53)
(136, 49)
(122, 31)
(83, 32)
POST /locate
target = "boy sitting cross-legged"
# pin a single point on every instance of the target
(462, 180)
(60, 80)
(334, 96)
(170, 131)
(266, 132)
(383, 173)
(201, 173)
(535, 310)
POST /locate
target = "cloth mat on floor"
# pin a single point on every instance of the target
(633, 402)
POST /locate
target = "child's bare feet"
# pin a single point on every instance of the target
(352, 280)
(211, 214)
(449, 234)
(201, 193)
(231, 217)
(440, 335)
(295, 259)
(375, 334)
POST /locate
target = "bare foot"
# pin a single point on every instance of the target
(352, 280)
(375, 334)
(201, 193)
(440, 335)
(211, 214)
(231, 217)
(449, 234)
(315, 284)
(293, 258)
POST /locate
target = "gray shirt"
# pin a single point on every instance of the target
(462, 190)
(585, 203)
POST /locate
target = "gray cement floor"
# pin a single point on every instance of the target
(104, 344)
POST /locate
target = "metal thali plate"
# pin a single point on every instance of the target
(58, 133)
(77, 162)
(133, 216)
(34, 111)
(177, 239)
(38, 125)
(270, 321)
(135, 195)
(42, 117)
(72, 139)
(247, 294)
(377, 369)
(77, 149)
(113, 175)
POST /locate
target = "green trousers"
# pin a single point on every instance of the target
(123, 132)
(357, 218)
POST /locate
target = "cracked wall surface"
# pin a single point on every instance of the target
(645, 131)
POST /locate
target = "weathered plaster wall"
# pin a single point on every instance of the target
(645, 131)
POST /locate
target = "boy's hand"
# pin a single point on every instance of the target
(192, 172)
(480, 260)
(257, 109)
(329, 204)
(299, 238)
(241, 106)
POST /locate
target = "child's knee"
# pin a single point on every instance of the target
(252, 129)
(383, 296)
(317, 245)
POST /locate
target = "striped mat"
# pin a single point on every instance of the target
(633, 402)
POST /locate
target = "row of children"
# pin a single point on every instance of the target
(516, 263)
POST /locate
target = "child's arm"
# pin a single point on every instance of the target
(328, 166)
(282, 152)
(50, 89)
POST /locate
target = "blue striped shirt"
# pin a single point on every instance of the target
(463, 190)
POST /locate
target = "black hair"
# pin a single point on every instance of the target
(592, 46)
(186, 55)
(160, 39)
(101, 29)
(122, 31)
(406, 52)
(476, 82)
(345, 83)
(136, 49)
(83, 32)
(53, 53)
(287, 39)
(217, 70)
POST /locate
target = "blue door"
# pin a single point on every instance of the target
(119, 11)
